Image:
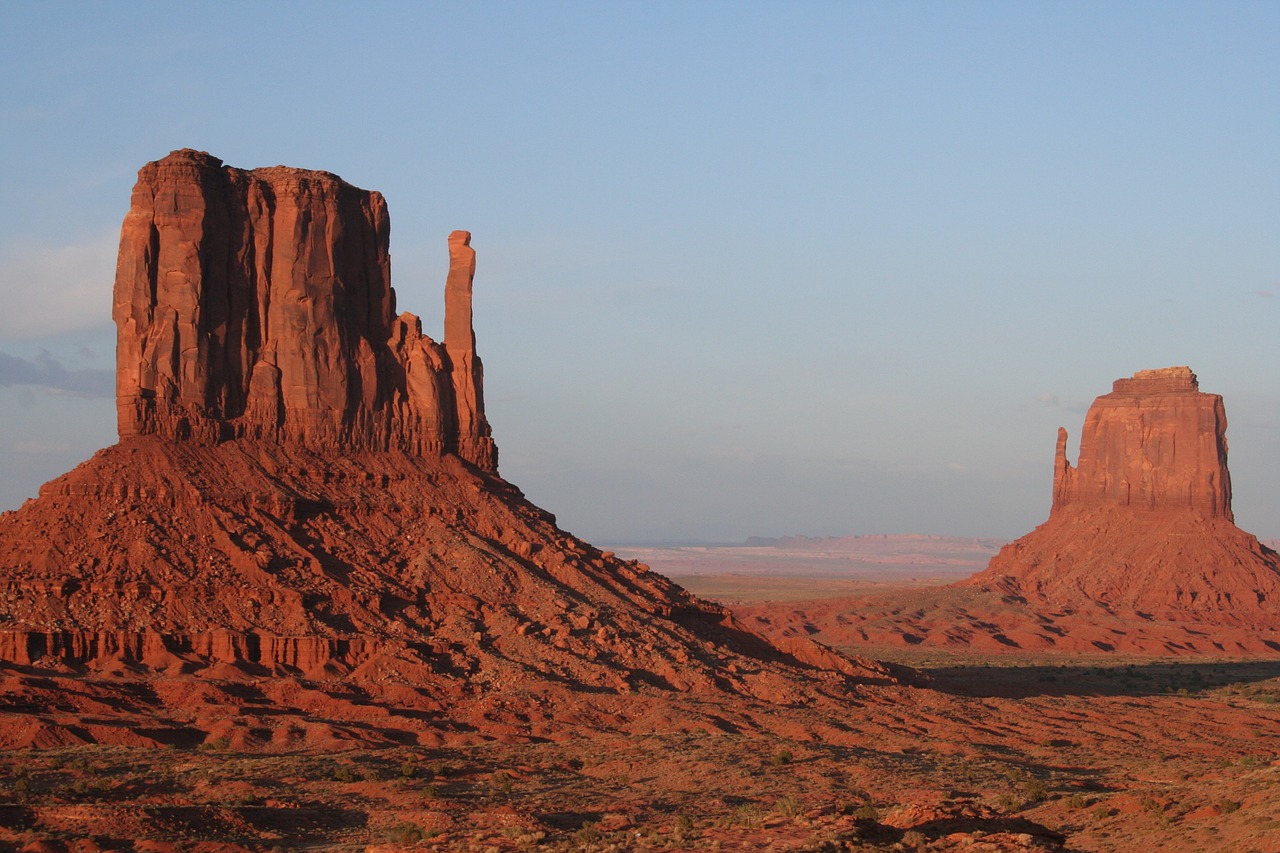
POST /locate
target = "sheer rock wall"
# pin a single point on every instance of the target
(1155, 442)
(258, 304)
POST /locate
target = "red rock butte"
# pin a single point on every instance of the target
(258, 304)
(304, 496)
(1143, 522)
(1155, 442)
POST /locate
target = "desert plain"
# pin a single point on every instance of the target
(989, 750)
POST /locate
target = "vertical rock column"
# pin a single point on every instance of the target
(474, 441)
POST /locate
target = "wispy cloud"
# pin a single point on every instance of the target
(1053, 401)
(50, 289)
(45, 371)
(1264, 293)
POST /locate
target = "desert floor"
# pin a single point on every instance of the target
(996, 752)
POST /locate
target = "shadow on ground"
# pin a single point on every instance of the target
(1240, 678)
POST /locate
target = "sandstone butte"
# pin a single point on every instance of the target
(1143, 522)
(305, 499)
(1140, 553)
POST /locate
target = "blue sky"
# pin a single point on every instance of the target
(743, 268)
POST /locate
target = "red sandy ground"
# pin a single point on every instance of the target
(1015, 751)
(985, 760)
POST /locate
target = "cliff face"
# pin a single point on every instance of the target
(1144, 521)
(258, 304)
(1155, 442)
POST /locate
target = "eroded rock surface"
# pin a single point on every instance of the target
(1139, 555)
(258, 304)
(1155, 442)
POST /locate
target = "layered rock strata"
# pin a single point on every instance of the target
(1155, 442)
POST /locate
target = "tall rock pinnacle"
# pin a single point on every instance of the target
(258, 304)
(474, 441)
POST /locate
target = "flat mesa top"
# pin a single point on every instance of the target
(1159, 380)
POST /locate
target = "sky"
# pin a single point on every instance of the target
(743, 268)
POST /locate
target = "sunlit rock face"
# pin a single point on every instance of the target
(305, 493)
(1155, 442)
(258, 304)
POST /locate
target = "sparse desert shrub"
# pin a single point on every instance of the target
(683, 826)
(501, 783)
(408, 770)
(1035, 791)
(588, 834)
(867, 812)
(1009, 802)
(748, 815)
(344, 774)
(1077, 801)
(217, 744)
(788, 806)
(782, 757)
(914, 839)
(1101, 812)
(1228, 806)
(404, 833)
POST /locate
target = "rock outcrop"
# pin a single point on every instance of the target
(1155, 442)
(1144, 521)
(1139, 556)
(258, 304)
(305, 495)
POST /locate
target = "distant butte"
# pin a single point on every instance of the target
(1140, 553)
(1144, 521)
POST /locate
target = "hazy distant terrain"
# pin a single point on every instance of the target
(803, 567)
